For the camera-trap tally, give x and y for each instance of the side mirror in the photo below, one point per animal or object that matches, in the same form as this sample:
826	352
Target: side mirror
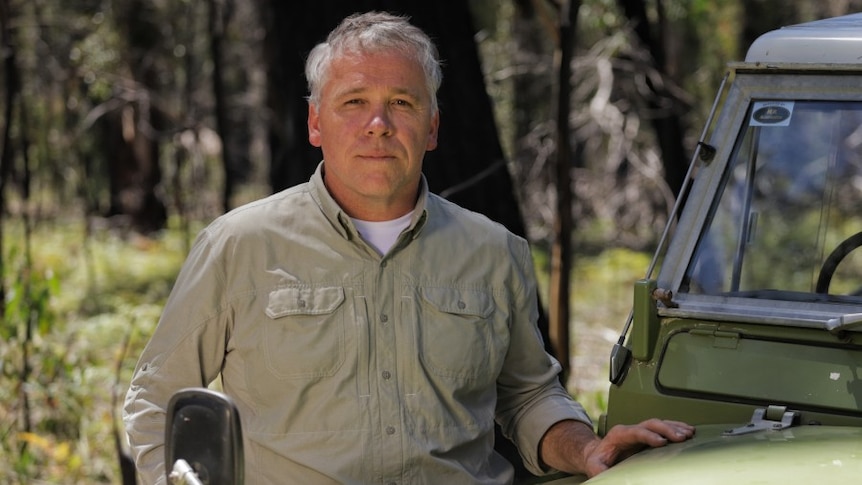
203	439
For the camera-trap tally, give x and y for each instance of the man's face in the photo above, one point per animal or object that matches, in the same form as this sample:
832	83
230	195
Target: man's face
374	123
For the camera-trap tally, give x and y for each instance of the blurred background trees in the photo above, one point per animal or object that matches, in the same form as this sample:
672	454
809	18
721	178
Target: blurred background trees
137	110
136	117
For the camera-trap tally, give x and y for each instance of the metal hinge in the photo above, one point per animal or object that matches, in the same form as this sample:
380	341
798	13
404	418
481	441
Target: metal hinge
772	418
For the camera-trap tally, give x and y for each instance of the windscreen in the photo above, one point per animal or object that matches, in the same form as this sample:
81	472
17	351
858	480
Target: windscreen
789	213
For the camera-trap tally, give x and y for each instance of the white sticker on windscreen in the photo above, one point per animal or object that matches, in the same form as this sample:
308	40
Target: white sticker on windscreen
771	113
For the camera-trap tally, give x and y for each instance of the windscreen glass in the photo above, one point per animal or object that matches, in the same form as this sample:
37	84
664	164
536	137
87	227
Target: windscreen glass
789	214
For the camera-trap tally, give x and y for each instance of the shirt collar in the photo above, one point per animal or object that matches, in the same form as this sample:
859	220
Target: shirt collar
341	221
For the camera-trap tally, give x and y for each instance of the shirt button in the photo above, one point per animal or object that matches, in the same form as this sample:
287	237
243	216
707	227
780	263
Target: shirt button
461	305
390	430
386	374
383	264
384	318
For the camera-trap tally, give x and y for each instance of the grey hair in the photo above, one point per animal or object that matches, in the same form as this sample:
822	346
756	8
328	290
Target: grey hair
369	33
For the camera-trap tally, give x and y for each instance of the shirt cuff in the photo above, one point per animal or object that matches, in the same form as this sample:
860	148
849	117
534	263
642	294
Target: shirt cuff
538	421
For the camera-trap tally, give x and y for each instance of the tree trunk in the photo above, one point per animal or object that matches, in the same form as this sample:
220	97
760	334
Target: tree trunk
219	15
11	85
131	133
666	122
561	254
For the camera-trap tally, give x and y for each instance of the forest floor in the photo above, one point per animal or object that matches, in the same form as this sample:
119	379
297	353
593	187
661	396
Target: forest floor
93	297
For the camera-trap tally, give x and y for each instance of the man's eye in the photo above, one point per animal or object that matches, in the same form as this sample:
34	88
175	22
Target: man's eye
402	102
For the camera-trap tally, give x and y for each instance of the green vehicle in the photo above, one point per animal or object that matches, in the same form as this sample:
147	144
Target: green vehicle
749	322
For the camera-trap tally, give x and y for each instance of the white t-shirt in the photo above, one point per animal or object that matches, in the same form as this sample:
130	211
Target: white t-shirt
383	234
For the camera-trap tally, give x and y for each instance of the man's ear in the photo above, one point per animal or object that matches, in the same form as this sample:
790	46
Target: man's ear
432	134
313	125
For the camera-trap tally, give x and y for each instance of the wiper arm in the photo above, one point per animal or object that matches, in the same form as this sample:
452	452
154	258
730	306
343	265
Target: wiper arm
844	322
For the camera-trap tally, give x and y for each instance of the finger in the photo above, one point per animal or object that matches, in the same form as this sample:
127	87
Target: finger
652	432
672	430
624	437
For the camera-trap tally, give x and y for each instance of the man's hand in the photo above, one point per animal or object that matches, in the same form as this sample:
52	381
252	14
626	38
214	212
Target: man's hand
571	446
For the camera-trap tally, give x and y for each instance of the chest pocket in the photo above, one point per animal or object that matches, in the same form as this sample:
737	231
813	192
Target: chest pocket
305	332
458	334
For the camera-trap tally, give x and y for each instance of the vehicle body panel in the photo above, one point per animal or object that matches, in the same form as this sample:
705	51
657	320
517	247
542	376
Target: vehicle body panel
805	454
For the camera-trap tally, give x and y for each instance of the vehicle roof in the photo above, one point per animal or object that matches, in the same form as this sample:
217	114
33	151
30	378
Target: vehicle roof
833	40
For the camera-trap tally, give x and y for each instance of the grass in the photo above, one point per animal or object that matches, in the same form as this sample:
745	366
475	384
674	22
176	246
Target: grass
104	291
93	301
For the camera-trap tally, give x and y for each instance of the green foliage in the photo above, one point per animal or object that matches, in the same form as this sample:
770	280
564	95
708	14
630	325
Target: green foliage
27	299
86	298
95	55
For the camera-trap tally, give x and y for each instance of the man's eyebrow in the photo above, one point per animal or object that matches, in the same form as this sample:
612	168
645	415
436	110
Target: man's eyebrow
363	89
351	91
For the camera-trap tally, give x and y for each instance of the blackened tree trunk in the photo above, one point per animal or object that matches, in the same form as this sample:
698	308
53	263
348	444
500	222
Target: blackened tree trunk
666	121
219	16
561	252
11	83
131	133
133	169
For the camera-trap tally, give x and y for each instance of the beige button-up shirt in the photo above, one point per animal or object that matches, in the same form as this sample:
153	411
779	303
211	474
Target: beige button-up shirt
351	367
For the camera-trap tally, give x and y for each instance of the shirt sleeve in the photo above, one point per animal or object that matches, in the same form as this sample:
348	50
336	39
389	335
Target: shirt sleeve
530	396
186	350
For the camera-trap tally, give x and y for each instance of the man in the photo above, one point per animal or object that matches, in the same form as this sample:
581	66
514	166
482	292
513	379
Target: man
369	331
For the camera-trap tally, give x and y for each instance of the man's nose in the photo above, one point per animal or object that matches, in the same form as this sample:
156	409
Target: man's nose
380	124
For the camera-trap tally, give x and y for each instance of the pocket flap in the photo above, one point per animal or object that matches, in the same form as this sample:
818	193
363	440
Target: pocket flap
460	301
304	301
